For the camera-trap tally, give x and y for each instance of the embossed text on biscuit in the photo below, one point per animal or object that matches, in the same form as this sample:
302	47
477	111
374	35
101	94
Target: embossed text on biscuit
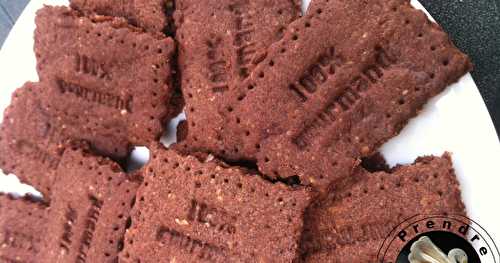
351	235
217	72
245	46
95	96
70	217
91	220
89	66
213	217
316	75
199	249
343	102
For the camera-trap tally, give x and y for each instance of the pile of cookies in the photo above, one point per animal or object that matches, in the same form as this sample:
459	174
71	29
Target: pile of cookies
277	159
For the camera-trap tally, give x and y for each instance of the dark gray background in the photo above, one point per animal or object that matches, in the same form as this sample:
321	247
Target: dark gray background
473	24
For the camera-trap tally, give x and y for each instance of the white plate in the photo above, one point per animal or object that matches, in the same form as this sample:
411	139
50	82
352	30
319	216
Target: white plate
456	121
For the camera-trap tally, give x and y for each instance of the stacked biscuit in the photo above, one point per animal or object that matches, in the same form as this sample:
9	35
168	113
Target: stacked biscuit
280	108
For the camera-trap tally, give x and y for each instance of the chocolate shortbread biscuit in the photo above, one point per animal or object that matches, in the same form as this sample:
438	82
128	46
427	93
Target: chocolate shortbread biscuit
361	211
148	14
220	41
31	141
344	79
192	211
89	211
108	77
22	226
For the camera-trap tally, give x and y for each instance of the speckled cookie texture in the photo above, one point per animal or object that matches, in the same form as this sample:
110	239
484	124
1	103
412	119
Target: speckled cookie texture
220	41
154	16
89	210
22	225
110	78
360	70
200	211
351	224
308	100
31	142
148	14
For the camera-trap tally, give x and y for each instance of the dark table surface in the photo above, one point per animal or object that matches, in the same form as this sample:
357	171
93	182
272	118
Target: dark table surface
473	24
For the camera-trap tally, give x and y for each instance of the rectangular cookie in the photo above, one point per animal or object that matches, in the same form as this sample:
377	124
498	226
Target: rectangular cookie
22	226
89	211
150	15
352	223
220	41
344	79
193	211
31	141
104	76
